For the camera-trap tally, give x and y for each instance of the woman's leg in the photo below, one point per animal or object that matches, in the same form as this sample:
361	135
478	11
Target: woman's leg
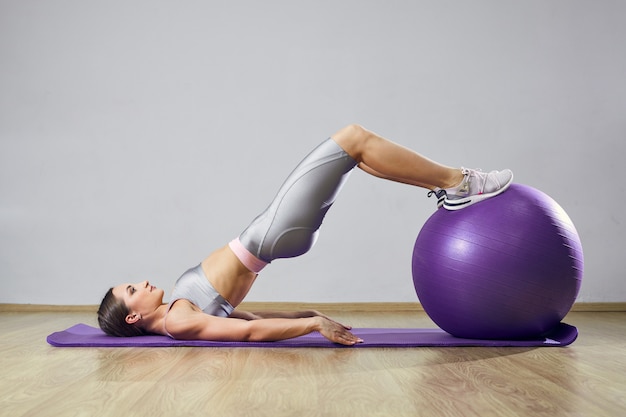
289	226
385	159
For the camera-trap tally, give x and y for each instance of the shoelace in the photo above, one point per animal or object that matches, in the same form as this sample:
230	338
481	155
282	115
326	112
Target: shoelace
435	192
468	174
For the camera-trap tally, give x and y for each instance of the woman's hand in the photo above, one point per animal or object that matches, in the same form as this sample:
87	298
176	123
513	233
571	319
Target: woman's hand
336	332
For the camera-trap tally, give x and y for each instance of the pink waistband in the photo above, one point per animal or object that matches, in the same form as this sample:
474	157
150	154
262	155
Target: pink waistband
250	261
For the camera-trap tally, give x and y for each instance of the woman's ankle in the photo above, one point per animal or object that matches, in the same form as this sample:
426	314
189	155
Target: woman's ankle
455	179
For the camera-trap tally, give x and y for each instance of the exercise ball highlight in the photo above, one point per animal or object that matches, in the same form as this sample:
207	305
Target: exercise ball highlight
509	267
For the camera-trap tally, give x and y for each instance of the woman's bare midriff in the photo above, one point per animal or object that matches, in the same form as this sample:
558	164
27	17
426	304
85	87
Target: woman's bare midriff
228	275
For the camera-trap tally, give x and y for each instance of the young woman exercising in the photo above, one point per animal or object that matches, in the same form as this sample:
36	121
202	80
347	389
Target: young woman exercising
203	302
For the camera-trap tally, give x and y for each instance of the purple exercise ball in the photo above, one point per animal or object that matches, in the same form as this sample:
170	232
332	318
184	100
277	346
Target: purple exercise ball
509	267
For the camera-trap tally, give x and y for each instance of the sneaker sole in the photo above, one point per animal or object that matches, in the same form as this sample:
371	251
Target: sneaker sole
461	203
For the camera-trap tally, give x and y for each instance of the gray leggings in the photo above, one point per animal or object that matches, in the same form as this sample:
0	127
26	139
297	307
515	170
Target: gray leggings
289	226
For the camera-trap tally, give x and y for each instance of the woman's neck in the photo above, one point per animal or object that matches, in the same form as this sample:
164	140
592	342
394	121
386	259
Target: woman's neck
154	323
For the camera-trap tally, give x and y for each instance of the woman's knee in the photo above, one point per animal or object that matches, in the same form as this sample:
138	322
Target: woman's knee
353	138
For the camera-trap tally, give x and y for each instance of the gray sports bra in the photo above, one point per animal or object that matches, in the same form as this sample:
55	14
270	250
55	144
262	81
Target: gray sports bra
195	287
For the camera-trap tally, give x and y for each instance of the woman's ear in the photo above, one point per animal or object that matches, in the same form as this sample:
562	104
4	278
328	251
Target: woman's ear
133	318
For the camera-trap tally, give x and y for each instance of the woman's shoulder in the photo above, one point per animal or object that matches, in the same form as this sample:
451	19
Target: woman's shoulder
185	320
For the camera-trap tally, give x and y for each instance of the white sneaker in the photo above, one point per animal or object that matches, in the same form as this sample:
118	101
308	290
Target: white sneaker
477	186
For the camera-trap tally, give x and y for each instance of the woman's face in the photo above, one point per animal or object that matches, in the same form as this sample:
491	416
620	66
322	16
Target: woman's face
141	298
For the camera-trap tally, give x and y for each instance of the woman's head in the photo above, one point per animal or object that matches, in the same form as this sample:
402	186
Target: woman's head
124	307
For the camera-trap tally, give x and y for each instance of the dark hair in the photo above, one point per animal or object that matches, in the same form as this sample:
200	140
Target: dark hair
112	318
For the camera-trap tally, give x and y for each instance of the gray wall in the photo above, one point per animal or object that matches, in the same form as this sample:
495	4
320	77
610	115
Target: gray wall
137	136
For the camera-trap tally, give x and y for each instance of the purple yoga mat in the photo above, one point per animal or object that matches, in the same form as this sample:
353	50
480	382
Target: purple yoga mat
82	335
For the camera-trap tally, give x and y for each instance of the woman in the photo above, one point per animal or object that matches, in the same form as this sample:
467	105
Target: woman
204	298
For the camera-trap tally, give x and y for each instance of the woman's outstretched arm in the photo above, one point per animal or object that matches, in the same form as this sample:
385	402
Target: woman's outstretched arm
200	326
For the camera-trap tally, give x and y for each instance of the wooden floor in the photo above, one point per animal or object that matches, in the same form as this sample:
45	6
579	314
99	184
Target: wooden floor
586	379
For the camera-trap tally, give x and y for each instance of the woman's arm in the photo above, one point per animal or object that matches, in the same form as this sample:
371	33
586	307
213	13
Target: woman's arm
200	326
